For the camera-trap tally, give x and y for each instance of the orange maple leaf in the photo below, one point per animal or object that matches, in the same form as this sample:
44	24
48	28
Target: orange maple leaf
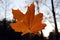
29	22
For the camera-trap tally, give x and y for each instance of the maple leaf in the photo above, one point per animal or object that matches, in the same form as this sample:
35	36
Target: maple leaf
29	22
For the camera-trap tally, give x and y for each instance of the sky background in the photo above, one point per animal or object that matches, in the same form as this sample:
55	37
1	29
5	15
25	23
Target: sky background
6	7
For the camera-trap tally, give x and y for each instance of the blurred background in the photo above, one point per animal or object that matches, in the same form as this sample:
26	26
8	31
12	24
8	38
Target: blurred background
6	7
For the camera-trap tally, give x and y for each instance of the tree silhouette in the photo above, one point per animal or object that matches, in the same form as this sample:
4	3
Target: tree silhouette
55	22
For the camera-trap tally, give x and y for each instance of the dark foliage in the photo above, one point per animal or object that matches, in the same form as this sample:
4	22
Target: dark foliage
7	33
54	36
